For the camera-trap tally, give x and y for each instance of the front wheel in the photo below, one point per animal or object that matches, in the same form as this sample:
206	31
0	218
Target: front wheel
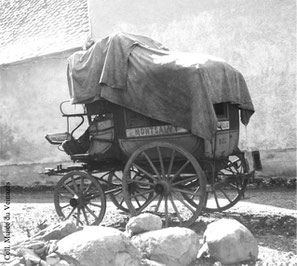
79	196
165	170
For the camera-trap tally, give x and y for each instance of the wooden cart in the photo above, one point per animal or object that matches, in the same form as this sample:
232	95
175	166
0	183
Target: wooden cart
146	165
151	142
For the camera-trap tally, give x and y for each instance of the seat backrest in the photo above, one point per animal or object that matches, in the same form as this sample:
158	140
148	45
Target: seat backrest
101	133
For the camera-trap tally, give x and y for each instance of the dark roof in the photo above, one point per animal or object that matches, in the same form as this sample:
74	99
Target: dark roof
30	28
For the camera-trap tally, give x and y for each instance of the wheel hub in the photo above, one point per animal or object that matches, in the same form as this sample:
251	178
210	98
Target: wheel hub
73	202
162	188
77	202
132	188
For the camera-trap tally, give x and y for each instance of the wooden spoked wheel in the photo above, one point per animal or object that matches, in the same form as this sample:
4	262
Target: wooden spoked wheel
228	185
79	196
165	171
116	195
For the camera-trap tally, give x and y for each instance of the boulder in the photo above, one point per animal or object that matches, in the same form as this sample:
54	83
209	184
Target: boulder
62	263
143	223
174	246
98	245
147	262
29	256
57	231
52	259
228	241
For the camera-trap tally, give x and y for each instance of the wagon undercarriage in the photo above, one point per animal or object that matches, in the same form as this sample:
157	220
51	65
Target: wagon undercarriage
173	186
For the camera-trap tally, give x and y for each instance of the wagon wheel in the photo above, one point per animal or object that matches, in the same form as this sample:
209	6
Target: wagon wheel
165	170
79	196
229	185
117	197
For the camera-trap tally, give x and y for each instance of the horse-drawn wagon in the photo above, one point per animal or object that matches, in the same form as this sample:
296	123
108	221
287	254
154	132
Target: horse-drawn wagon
162	132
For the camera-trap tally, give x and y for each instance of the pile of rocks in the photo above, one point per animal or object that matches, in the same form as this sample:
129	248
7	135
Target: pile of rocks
144	243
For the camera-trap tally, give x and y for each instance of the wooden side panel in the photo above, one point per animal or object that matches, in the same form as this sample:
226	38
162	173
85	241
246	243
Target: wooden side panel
189	142
227	135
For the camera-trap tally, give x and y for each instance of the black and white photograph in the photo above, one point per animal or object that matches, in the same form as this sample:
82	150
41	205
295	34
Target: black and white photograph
148	133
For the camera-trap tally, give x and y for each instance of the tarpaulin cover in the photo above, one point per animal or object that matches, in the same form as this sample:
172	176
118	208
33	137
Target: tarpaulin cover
139	73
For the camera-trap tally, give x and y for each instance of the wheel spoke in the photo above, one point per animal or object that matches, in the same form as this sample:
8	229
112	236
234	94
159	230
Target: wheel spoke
68	216
93	196
145	183
181	169
81	184
184	180
145	172
115	192
183	202
141	193
152	165
69	189
94	204
65	206
161	162
74	184
88	187
77	217
237	186
122	201
137	201
158	204
172	157
148	202
85	215
187	192
226	196
176	210
216	199
166	210
91	212
65	196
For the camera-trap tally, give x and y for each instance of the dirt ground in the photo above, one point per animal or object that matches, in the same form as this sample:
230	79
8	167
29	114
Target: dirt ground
270	214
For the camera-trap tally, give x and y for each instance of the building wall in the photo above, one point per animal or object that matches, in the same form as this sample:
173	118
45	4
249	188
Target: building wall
30	95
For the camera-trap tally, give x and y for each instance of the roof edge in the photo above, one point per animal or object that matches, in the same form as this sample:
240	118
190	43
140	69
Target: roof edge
41	57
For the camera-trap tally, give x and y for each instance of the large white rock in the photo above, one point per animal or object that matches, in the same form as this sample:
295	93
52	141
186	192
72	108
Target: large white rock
143	223
98	245
228	241
57	231
174	246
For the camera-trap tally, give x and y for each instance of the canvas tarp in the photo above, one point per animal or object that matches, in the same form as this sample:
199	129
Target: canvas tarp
140	74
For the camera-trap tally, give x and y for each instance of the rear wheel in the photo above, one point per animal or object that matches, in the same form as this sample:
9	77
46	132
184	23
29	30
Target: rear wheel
117	197
228	185
166	170
79	196
115	179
